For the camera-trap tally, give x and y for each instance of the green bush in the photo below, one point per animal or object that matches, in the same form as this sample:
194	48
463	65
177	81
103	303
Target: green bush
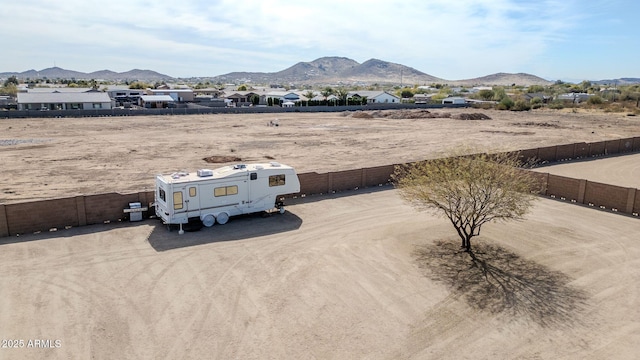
521	105
595	100
505	104
556	105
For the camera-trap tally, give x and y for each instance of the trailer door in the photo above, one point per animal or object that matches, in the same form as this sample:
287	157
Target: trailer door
186	201
180	205
192	193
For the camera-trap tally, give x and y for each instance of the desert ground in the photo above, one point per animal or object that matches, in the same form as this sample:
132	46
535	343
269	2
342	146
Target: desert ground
357	275
51	158
352	275
621	170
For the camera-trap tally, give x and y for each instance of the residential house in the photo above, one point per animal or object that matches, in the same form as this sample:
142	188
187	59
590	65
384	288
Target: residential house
123	96
422	98
574	97
156	101
242	98
64	100
286	96
178	95
454	100
530	96
374	96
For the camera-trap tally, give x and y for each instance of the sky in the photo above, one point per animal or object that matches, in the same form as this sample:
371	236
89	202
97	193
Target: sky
569	40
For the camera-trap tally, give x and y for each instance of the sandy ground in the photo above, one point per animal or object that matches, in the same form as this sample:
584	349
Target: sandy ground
362	276
346	276
50	158
617	170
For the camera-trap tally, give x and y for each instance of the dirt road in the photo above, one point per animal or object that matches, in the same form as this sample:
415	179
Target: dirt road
340	277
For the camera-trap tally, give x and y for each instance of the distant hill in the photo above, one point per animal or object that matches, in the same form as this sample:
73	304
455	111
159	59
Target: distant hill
334	70
621	81
505	79
328	70
59	73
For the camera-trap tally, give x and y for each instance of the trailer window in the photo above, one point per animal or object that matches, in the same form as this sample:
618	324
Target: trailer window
225	191
192	191
276	180
254	176
162	195
177	200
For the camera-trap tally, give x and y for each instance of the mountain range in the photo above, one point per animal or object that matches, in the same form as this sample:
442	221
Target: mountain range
325	70
59	73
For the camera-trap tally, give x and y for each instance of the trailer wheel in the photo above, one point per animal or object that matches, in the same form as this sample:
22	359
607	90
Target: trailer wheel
222	218
208	220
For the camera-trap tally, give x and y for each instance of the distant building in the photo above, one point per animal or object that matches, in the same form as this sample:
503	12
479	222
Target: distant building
530	96
178	95
454	100
422	98
155	101
574	97
374	97
63	101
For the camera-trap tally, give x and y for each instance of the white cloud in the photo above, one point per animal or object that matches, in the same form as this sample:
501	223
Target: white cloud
449	39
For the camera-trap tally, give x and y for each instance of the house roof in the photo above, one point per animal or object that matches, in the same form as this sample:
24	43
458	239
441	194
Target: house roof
59	89
63	97
152	98
156	91
370	94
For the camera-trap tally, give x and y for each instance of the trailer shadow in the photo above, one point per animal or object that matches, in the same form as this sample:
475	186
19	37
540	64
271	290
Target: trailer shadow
163	238
500	282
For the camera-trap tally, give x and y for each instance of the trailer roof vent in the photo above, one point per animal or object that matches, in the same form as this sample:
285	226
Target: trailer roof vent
205	172
239	166
179	174
275	164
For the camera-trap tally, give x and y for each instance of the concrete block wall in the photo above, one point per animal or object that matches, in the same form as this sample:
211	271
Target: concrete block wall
314	183
41	215
609	196
612	147
565	152
377	175
560	186
581	150
597	148
35	216
109	207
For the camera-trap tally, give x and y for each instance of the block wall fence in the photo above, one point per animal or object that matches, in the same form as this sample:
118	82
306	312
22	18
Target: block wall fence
57	214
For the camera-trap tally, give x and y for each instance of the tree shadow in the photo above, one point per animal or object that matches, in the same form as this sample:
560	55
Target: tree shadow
500	282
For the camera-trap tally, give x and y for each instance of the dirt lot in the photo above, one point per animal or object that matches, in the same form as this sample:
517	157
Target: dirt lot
49	158
345	276
340	277
618	170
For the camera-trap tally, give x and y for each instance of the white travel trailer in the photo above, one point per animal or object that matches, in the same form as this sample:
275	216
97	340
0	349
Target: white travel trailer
212	196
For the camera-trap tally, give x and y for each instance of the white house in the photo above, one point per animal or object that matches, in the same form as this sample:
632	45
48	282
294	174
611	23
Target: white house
180	95
155	101
375	96
455	100
64	101
574	97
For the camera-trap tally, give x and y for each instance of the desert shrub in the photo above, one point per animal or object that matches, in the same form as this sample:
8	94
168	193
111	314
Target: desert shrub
556	105
536	103
521	105
595	100
505	104
486	94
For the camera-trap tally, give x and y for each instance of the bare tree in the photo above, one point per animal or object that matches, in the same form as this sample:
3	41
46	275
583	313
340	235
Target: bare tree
469	190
